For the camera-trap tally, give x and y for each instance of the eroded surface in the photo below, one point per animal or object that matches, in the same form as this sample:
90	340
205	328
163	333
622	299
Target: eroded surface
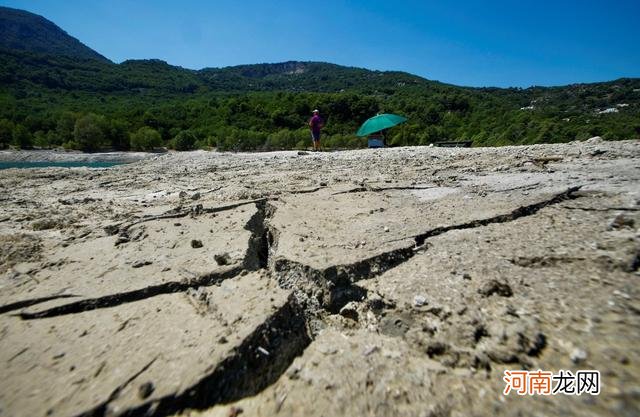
377	282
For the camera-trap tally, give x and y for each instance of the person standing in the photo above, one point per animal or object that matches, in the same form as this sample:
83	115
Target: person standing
316	124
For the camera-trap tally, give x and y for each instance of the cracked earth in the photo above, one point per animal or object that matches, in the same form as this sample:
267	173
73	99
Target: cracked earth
376	282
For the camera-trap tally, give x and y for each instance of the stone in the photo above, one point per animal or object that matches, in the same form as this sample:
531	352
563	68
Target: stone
111	229
578	355
195	243
495	287
222	259
145	390
594	140
350	311
419	301
620	221
140	263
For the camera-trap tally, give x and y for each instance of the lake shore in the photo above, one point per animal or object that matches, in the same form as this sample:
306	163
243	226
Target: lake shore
397	281
49	155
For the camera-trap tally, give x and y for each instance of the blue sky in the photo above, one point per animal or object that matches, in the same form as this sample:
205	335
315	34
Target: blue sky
466	42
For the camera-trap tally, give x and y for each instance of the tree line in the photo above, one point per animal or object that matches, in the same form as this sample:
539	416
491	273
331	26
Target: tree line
87	105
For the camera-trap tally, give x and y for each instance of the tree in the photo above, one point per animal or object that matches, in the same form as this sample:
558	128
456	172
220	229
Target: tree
117	135
6	133
88	132
145	139
65	126
22	137
184	141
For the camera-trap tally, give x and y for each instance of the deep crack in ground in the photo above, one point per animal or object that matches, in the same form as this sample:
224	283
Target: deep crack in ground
287	333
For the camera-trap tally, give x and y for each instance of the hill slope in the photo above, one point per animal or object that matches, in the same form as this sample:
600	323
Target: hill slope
47	99
25	31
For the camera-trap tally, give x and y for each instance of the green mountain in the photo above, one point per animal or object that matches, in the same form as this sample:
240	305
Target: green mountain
63	93
24	31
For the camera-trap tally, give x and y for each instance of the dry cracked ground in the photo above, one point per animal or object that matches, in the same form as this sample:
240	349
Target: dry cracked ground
376	282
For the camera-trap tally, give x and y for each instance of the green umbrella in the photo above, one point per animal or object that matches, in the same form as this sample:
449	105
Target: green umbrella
380	122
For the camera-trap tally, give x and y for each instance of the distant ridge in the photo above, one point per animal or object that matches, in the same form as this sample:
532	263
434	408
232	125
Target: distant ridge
51	84
25	31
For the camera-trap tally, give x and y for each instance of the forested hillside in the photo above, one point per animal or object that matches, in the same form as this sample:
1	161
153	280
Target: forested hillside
56	98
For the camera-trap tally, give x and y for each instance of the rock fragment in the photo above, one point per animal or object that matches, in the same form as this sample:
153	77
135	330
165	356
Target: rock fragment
222	259
145	390
578	355
350	311
419	301
620	221
495	287
140	263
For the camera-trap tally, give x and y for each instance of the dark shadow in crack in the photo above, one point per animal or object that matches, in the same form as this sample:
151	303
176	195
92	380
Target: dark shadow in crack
27	303
113	300
257	363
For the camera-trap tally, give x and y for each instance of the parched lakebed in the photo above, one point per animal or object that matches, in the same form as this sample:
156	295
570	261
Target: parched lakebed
400	281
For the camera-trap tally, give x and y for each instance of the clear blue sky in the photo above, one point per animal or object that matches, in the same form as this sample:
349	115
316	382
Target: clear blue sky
465	42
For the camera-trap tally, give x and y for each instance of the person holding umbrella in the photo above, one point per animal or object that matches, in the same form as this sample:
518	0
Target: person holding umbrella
316	124
376	127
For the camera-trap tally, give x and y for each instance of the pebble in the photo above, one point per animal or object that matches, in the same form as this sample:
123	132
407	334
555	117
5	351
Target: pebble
621	220
578	355
386	229
370	349
196	196
140	263
419	301
496	287
145	390
112	229
222	259
349	311
195	243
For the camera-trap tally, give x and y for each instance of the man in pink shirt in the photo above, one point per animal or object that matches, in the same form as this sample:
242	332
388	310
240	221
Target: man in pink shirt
315	124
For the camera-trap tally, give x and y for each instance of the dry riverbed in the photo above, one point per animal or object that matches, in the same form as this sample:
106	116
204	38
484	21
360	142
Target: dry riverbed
382	282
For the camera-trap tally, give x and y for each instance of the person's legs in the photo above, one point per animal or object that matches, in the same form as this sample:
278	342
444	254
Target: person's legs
315	137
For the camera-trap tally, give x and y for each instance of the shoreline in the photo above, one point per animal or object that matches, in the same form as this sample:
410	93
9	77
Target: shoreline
48	155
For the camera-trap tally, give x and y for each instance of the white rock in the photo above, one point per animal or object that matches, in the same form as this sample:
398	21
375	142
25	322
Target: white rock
578	355
419	301
595	139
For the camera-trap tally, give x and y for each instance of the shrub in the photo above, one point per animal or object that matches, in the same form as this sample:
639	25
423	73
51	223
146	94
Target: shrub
6	133
89	133
22	137
184	141
145	139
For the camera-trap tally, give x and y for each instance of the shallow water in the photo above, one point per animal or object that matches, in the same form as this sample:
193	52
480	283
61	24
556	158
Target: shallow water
47	164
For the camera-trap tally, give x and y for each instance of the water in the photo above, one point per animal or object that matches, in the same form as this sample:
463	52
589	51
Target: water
44	164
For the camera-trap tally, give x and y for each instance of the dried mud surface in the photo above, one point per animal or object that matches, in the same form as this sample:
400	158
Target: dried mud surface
376	282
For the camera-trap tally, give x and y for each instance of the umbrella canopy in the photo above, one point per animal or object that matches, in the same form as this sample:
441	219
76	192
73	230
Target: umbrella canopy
380	122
